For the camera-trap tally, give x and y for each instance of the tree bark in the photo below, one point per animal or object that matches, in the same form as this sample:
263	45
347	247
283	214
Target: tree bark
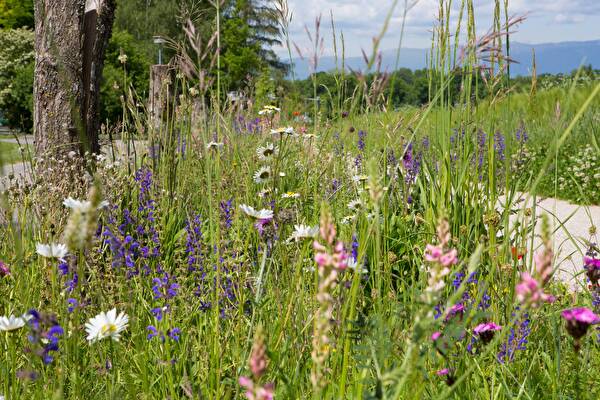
57	89
70	44
103	25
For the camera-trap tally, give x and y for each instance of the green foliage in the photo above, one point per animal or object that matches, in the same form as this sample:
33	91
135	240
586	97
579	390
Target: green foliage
16	76
118	78
144	19
16	14
264	88
240	58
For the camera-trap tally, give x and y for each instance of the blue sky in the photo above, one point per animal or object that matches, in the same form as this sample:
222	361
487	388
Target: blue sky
361	20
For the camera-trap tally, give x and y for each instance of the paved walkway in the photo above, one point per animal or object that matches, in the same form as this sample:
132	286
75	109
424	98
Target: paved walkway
572	226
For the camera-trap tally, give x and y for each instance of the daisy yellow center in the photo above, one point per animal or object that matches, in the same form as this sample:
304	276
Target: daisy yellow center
268	152
264	174
108	328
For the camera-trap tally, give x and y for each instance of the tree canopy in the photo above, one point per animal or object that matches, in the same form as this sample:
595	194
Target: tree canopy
16	14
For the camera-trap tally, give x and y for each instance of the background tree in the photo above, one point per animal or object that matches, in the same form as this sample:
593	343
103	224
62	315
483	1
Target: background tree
16	14
16	77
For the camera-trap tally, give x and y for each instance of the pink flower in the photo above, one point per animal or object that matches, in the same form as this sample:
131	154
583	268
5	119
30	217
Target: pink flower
4	270
592	262
578	321
486	327
455	309
338	260
442	372
486	331
592	269
260	224
529	291
433	253
543	265
581	314
436	335
450	258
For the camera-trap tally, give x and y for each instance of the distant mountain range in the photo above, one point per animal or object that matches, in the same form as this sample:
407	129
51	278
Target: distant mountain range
550	58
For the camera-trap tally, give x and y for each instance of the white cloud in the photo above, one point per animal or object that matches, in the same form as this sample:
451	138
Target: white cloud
361	20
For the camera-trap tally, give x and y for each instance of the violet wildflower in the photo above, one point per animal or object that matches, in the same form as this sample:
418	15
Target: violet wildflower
517	339
44	336
499	145
193	245
72	304
227	212
481	147
521	134
361	140
174	333
164	287
154	332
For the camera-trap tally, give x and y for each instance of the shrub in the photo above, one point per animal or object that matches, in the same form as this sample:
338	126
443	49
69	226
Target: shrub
16	76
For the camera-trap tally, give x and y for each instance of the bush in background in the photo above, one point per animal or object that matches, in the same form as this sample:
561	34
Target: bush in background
16	77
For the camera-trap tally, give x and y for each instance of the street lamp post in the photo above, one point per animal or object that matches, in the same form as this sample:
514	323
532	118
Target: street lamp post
159	41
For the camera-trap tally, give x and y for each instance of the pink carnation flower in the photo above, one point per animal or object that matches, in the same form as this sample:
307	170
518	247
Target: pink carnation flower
486	331
4	270
579	320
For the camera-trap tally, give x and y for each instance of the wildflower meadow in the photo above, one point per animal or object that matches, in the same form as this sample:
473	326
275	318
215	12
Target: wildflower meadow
275	247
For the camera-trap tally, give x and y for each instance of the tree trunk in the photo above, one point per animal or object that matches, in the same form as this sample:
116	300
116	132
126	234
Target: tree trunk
103	25
71	38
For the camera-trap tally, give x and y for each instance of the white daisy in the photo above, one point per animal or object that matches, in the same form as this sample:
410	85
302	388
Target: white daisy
106	325
348	219
283	131
260	214
303	232
359	178
355	205
267	151
353	265
264	193
268	110
290	195
53	250
80	205
12	323
214	145
262	175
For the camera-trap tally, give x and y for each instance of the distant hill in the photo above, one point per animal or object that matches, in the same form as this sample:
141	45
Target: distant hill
550	58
